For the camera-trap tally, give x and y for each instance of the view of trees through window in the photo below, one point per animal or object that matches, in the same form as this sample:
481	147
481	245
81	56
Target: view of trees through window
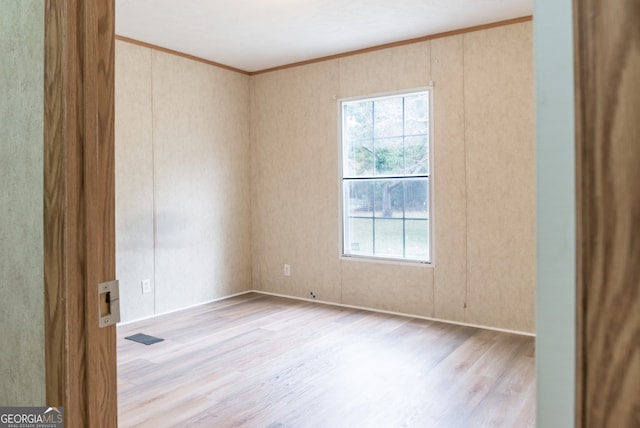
385	144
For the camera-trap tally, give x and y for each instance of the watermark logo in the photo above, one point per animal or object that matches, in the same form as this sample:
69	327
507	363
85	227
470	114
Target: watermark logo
31	417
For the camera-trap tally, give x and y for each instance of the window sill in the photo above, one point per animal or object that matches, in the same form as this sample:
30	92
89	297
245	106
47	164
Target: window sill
389	261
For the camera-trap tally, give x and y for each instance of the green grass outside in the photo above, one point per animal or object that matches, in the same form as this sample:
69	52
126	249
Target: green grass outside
388	238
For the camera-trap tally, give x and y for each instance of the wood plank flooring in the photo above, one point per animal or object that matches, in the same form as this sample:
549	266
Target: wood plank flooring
264	361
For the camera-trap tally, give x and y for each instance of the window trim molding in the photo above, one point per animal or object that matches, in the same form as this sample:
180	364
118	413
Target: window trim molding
431	186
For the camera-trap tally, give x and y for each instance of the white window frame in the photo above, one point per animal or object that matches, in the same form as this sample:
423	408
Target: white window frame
341	150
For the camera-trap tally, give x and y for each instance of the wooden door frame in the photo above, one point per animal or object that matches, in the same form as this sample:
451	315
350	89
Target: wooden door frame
607	59
79	206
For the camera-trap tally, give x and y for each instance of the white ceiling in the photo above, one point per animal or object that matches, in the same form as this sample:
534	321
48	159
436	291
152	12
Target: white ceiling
254	35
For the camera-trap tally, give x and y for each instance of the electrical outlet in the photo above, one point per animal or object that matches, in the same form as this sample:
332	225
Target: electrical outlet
146	286
312	295
287	270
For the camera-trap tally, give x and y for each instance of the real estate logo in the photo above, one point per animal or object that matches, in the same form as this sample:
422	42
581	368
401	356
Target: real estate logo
31	417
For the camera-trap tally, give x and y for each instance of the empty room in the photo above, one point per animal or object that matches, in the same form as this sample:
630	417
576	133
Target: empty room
320	213
328	223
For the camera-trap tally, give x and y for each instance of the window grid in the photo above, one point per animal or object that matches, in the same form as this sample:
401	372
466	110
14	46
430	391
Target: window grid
351	176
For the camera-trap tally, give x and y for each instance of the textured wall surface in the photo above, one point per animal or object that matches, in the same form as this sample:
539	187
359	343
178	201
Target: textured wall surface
484	270
499	135
499	129
21	207
202	181
188	170
134	180
450	274
182	145
295	192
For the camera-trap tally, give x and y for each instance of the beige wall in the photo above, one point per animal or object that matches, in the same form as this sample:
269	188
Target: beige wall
500	147
22	375
182	181
219	162
483	177
134	179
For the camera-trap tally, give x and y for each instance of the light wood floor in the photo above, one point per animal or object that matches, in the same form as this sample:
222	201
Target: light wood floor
263	361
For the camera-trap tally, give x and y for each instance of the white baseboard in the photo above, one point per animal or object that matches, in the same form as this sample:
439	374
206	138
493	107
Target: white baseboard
185	308
382	311
342	305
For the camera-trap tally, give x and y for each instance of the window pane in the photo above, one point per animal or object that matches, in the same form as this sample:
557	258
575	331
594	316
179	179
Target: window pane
359	223
416	228
389	198
389	155
416	199
387	218
388	237
359	159
416	114
361	236
387	117
416	155
358	120
385	172
417	239
360	201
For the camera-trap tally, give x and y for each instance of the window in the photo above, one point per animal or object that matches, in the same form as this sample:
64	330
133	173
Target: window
385	177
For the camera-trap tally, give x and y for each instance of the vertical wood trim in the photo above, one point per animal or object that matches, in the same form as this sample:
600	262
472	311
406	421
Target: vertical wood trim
79	226
582	181
54	194
607	40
